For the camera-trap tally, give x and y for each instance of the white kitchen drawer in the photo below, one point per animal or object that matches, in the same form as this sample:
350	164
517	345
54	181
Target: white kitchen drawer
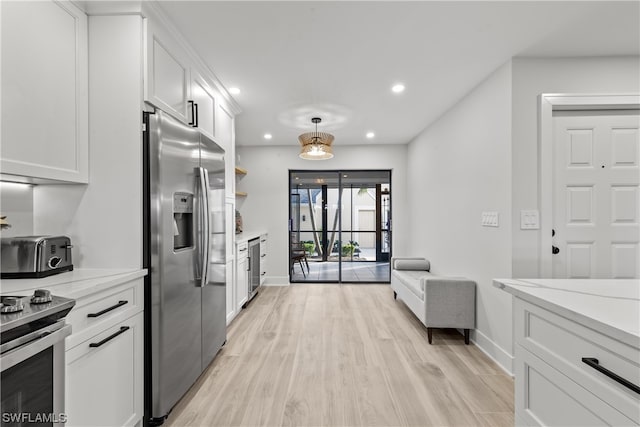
263	244
263	267
563	343
544	396
102	310
104	381
242	250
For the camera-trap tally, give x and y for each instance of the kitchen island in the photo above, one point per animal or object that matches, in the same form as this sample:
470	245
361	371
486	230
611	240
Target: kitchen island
577	351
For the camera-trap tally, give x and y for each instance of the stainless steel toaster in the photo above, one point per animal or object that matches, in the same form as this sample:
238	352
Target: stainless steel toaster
35	256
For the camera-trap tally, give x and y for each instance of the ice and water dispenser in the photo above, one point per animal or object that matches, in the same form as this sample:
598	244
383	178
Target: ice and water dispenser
182	220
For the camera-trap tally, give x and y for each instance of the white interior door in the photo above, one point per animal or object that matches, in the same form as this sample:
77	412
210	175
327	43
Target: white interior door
596	200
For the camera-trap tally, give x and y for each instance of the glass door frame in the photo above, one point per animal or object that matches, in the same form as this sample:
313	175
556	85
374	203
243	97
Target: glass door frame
379	230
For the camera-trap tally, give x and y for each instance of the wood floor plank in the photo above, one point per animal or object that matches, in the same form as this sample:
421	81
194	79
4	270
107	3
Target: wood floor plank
343	355
496	419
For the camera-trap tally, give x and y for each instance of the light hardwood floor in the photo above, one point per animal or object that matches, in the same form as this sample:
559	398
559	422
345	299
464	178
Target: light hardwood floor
343	355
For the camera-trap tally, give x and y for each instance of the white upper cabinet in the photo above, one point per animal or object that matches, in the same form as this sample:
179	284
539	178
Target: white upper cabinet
178	82
204	100
225	134
167	83
44	91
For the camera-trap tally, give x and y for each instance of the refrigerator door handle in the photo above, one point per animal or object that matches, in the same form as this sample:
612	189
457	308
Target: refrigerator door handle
203	255
207	227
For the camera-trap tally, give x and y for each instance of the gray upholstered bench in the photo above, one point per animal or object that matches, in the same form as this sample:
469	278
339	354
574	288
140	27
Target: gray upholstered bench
439	302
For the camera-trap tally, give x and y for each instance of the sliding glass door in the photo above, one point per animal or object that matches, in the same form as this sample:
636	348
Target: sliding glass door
340	226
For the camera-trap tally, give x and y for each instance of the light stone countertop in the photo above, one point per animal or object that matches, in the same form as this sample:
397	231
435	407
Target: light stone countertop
609	306
72	284
245	236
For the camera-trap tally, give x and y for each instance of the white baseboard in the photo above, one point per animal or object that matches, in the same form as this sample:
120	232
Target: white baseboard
494	351
276	281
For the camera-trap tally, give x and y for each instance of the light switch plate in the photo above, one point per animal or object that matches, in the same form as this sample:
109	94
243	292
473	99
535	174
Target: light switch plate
490	219
529	220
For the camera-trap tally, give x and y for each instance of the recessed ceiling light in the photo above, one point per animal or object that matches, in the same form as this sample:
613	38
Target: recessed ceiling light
268	136
234	91
398	88
370	135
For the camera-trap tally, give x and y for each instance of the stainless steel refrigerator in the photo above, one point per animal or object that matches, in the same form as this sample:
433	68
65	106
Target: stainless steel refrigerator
184	252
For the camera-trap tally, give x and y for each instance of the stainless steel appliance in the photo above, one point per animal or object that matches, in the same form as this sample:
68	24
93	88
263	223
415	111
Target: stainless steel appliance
34	256
254	267
184	251
32	333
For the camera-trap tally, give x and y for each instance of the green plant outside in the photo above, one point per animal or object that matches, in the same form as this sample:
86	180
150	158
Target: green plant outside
349	248
309	246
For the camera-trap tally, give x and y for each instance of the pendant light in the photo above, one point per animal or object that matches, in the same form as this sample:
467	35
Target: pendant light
316	145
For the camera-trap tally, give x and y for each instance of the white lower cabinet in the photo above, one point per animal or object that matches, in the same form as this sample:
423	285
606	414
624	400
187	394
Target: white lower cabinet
264	238
104	377
555	387
230	305
104	358
242	275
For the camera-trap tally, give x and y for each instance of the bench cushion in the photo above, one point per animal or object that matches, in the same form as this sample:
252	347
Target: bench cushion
411	264
411	279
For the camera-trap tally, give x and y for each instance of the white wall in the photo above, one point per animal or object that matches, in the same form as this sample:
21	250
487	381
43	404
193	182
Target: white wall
532	77
104	218
457	168
267	184
16	203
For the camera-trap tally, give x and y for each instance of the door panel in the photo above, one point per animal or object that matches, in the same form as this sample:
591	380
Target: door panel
580	205
580	258
623	258
596	202
624	204
624	147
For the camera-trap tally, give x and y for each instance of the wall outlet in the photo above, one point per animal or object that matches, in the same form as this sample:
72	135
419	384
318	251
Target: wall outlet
529	220
490	219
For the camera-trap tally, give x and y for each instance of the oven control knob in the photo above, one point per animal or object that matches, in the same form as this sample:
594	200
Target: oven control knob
11	305
41	296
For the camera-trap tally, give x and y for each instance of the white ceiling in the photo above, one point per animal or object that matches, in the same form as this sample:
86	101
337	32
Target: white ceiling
337	60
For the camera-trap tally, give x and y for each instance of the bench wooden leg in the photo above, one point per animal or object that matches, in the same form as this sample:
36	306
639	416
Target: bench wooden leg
466	336
429	334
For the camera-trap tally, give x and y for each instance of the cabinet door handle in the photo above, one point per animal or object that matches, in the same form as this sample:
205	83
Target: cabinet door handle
248	263
191	104
242	250
263	255
595	364
195	116
106	310
122	330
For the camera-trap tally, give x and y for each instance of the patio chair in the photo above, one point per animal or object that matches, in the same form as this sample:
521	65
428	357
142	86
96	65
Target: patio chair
299	254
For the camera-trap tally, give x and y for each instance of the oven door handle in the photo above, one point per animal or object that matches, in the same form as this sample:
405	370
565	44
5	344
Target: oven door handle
43	339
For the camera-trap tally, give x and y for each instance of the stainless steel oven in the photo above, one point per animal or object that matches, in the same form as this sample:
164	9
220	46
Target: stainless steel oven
32	331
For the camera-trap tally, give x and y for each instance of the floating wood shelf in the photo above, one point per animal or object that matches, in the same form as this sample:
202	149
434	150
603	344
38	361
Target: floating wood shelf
240	171
241	194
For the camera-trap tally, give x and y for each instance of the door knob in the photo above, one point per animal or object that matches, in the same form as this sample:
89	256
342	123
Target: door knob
555	250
